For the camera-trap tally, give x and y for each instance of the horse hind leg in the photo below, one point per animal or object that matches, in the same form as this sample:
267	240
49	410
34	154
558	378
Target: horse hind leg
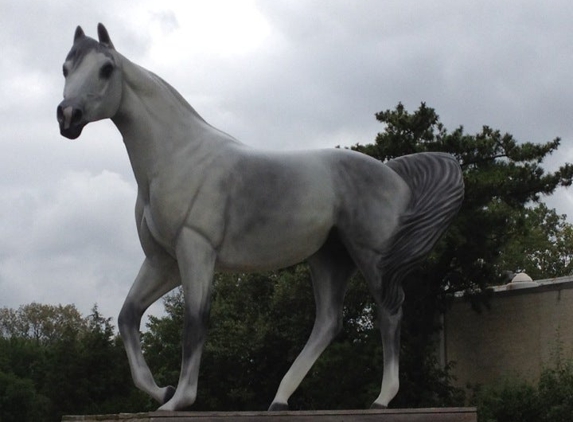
331	268
390	321
389	296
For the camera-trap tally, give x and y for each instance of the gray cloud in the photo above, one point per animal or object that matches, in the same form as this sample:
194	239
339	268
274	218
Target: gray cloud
79	235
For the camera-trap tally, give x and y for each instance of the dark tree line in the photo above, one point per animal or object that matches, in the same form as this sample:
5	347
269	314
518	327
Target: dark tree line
55	361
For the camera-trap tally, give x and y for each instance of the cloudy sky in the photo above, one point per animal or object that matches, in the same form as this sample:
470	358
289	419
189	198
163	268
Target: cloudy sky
283	75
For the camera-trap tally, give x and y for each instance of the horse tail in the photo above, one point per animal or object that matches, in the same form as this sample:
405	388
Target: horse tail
436	183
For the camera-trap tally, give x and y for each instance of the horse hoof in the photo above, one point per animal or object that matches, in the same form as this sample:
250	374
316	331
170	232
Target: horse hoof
277	407
378	406
169	393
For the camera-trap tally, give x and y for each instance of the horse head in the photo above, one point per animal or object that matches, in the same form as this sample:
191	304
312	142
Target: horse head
93	86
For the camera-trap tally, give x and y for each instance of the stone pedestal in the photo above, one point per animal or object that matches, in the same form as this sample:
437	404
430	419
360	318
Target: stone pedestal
463	414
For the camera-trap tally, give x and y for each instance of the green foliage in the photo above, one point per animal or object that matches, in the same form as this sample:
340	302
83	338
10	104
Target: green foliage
260	323
41	323
550	400
248	348
53	361
510	402
19	400
502	178
541	245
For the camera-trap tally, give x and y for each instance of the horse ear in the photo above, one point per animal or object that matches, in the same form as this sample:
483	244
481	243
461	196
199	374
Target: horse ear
104	36
79	34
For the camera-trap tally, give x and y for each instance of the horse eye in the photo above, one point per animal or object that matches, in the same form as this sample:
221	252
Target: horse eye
65	71
106	71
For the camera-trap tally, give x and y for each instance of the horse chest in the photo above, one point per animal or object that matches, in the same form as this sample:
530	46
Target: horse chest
162	218
153	233
159	219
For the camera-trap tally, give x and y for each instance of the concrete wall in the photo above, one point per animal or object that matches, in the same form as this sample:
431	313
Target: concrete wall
525	330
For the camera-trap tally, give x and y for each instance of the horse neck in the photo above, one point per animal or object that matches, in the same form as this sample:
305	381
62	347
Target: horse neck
157	123
147	100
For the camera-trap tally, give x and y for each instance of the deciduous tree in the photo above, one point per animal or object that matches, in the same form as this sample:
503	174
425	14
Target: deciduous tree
54	361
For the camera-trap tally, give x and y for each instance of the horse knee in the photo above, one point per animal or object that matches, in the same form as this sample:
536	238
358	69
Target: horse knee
337	327
331	327
128	318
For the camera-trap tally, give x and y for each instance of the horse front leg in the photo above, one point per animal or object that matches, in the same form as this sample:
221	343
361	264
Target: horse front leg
196	259
155	278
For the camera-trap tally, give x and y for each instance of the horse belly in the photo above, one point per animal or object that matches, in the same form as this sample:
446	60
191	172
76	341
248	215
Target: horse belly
270	250
280	208
275	239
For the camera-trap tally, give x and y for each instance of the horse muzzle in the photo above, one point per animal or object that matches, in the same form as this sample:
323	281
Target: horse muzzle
71	119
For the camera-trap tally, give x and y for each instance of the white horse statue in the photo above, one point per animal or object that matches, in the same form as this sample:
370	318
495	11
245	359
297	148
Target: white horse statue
208	203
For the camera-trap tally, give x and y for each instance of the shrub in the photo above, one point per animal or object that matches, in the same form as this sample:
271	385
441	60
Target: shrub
550	400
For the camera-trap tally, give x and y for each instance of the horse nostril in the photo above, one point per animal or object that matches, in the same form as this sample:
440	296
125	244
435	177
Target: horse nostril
77	115
68	115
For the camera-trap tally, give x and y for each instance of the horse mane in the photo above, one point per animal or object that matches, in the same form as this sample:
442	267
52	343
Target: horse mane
140	73
137	71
